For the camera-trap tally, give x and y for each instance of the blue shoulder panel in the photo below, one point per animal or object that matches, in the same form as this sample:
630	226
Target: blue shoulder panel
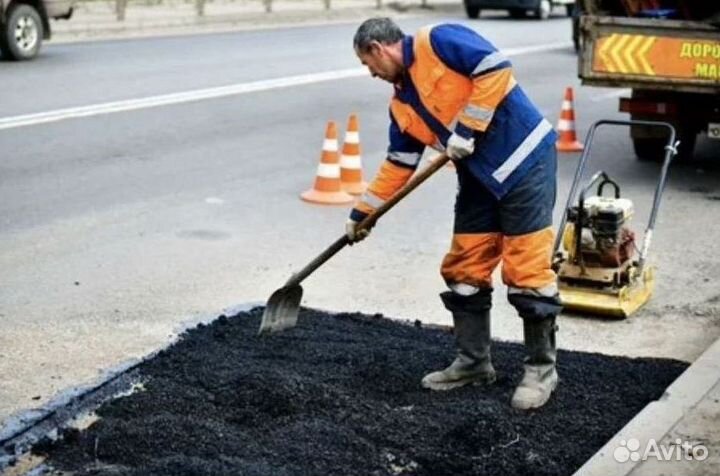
463	49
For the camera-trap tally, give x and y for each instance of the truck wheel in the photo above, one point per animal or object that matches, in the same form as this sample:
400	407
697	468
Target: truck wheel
23	33
472	11
542	12
653	149
649	149
517	12
687	139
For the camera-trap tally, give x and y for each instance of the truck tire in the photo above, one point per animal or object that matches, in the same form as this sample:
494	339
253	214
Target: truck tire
472	11
543	9
22	34
687	139
653	149
517	13
649	149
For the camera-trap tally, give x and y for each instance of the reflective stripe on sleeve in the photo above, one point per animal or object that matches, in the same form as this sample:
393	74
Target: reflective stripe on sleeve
489	62
407	158
478	112
372	200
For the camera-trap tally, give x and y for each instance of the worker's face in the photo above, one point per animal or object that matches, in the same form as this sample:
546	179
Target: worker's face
380	63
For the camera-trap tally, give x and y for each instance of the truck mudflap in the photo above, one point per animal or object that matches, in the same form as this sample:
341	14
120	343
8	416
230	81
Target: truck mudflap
663	54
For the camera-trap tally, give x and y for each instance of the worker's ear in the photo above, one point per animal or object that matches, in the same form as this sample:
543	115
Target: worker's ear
375	48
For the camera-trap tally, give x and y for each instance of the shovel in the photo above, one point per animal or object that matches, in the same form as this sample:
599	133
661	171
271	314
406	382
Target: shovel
281	310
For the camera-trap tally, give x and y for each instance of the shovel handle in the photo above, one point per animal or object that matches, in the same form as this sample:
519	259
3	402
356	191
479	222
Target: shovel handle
411	185
370	220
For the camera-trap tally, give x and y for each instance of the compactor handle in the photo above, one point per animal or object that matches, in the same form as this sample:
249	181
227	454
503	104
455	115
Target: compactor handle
670	152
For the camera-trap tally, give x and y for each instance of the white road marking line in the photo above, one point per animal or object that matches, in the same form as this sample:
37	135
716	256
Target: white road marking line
214	201
525	50
213	93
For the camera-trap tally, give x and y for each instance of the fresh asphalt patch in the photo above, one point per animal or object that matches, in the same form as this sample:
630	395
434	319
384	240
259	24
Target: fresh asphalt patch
340	394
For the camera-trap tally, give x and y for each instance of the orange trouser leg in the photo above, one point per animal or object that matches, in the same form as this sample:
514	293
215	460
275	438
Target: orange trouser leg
472	259
527	261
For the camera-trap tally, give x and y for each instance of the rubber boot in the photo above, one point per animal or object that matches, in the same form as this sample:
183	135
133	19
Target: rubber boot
471	316
540	378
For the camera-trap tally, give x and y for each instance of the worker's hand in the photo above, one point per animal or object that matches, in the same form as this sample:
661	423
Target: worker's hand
353	234
459	147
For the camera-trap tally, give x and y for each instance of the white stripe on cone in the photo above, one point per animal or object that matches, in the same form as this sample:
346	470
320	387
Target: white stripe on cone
566	125
328	170
567	105
352	137
350	162
330	145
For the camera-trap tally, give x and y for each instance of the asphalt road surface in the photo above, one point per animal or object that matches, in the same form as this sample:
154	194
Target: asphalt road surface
127	213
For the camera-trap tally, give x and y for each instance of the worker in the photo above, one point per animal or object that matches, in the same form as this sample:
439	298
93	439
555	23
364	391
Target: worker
455	92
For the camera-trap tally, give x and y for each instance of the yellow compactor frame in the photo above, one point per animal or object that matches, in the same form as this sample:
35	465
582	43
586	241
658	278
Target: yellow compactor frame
615	302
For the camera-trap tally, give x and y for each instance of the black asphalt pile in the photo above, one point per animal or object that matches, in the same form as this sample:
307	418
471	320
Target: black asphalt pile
340	395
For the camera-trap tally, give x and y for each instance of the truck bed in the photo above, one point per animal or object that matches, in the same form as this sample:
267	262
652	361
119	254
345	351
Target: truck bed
650	53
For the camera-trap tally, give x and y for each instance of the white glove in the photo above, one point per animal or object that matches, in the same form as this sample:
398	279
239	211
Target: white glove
353	234
459	147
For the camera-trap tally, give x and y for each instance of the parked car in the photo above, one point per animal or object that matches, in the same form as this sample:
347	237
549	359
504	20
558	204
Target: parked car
24	24
518	8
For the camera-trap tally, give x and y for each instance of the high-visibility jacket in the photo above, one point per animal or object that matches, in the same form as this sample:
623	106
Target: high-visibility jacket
456	81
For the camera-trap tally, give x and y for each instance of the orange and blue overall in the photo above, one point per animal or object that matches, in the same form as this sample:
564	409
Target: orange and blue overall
457	81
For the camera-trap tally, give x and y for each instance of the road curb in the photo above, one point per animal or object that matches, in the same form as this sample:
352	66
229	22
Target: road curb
171	27
658	417
143	27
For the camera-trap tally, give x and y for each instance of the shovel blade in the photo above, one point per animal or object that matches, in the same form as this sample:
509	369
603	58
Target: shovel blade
281	310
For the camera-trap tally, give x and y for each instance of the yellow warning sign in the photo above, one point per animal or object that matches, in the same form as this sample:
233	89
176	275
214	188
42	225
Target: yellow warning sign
626	54
644	55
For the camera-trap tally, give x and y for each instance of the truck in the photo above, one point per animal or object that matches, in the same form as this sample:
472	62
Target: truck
539	9
667	53
24	24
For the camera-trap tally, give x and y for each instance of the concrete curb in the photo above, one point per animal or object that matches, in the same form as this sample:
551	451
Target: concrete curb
187	26
659	417
104	27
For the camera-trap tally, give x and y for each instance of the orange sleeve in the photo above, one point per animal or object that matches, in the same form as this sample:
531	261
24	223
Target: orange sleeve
487	93
389	179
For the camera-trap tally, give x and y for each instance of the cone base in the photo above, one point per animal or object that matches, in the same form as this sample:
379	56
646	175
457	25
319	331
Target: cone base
575	146
327	198
355	188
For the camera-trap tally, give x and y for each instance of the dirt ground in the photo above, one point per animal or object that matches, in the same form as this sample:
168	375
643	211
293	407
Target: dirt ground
340	394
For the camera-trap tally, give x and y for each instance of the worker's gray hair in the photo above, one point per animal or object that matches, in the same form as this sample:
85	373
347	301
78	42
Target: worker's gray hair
383	30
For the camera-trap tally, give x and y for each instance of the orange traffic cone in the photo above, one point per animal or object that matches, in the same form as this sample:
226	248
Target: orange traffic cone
350	160
327	188
566	126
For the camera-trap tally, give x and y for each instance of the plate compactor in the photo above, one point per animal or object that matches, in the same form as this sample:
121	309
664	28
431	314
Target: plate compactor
599	271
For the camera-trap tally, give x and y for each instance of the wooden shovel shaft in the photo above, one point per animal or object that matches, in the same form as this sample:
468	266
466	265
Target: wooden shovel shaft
370	220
